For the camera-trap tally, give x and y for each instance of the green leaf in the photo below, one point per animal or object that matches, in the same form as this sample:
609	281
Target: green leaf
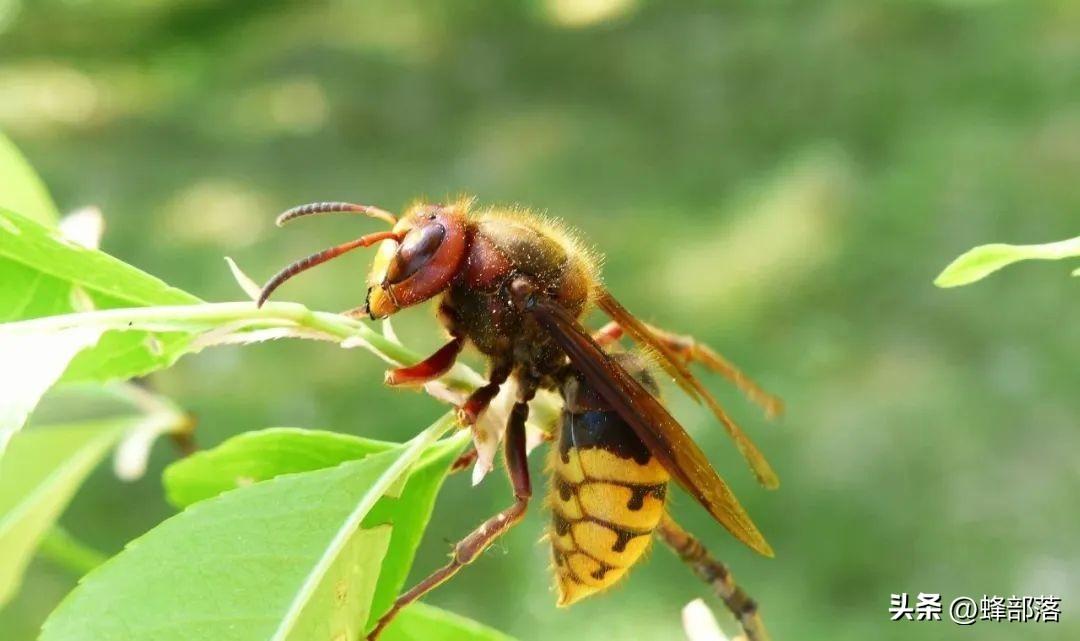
285	559
21	189
422	622
40	473
29	365
409	513
46	275
984	260
258	456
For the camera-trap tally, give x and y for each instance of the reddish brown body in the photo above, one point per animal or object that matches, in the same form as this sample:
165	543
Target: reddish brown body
474	276
475	306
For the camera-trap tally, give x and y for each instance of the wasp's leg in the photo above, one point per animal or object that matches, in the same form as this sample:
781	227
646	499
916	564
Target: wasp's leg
482	396
608	335
716	574
691	351
466	551
430	368
465	461
468	457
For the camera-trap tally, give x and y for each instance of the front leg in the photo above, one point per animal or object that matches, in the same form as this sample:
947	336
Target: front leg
430	368
482	396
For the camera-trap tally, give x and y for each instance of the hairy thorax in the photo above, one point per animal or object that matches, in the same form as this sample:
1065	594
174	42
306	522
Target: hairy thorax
502	245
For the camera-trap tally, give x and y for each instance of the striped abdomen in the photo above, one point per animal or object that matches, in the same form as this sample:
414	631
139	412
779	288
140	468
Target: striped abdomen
607	497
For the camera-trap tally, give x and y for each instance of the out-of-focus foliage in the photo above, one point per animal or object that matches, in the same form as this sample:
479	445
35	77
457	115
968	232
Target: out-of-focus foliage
980	262
20	188
782	179
41	472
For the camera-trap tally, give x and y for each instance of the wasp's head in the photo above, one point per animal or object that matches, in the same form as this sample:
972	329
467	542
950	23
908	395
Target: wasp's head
422	263
416	259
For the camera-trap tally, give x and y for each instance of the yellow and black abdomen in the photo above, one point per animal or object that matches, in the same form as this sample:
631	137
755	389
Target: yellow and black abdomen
607	497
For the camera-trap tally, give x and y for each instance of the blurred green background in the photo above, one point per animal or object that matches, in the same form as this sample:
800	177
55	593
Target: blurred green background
782	179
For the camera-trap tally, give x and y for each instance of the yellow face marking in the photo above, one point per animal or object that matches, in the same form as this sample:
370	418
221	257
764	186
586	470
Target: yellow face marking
600	542
609	502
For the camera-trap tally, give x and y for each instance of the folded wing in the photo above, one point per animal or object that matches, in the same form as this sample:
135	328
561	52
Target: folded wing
650	420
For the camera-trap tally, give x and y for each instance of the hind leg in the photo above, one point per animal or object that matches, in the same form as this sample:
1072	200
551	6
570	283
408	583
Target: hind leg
716	574
468	457
691	351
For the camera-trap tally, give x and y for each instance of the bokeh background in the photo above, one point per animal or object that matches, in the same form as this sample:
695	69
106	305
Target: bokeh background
783	179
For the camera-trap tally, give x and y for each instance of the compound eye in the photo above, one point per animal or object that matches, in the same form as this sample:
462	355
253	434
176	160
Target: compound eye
419	245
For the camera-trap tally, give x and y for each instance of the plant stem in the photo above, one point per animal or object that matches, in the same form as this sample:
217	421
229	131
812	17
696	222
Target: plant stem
208	316
68	552
1060	249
